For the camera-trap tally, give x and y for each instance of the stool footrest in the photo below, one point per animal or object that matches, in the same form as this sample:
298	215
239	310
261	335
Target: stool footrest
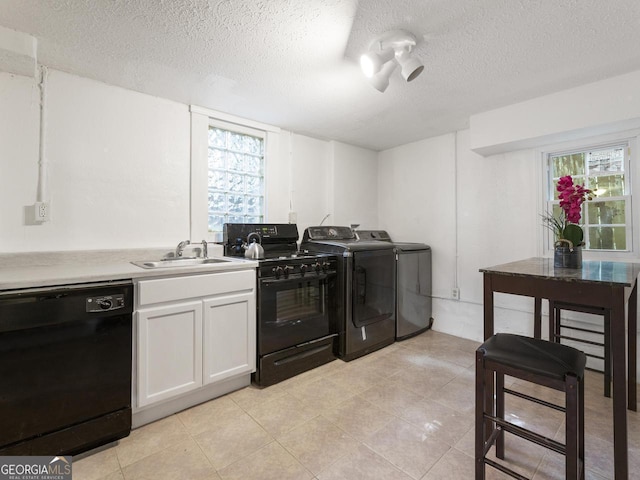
504	469
580	308
580	329
581	340
528	435
534	399
599	357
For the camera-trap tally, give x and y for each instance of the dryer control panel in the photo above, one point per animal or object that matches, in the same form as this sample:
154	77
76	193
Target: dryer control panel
381	235
328	233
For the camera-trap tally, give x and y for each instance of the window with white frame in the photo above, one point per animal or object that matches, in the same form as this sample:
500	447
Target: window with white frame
606	220
235	186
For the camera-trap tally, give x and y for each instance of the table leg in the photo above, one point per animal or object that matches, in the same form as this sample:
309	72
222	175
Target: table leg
488	306
618	353
488	332
632	339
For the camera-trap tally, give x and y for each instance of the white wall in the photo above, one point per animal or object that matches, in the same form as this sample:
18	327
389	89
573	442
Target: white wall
598	108
474	212
353	186
118	169
416	201
310	162
497	223
325	178
18	156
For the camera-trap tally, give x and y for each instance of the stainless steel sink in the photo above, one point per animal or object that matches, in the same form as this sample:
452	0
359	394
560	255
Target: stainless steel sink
179	262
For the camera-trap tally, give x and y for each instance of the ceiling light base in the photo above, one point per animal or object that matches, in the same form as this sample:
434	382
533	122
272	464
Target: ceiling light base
394	39
385	53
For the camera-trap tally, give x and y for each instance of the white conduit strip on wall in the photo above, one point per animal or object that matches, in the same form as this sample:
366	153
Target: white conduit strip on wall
455	206
291	172
41	193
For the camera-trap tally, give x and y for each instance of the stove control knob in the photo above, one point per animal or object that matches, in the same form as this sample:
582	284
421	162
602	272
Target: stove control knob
317	267
286	269
277	271
325	266
303	269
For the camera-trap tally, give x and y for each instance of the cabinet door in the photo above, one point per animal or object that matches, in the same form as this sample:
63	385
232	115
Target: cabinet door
229	336
169	351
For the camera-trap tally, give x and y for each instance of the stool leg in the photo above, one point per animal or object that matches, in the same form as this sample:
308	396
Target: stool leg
607	355
551	320
500	413
581	427
537	317
480	434
573	437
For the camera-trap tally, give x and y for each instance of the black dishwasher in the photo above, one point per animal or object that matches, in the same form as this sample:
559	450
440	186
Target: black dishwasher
65	368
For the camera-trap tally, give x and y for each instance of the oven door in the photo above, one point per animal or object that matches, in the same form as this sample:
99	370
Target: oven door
292	311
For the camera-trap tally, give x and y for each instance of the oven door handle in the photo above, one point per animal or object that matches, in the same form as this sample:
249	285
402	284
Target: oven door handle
266	282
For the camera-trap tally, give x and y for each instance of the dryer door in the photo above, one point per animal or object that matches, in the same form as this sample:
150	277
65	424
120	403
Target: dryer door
373	286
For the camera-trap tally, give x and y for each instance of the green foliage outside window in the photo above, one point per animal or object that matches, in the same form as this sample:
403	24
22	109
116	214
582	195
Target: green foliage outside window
602	170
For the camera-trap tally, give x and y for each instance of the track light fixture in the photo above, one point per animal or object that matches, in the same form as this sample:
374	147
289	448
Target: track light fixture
385	54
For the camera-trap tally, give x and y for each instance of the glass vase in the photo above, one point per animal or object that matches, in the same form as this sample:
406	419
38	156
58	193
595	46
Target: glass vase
565	257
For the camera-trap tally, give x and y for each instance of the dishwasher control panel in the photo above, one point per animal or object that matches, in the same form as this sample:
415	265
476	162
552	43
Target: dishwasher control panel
105	303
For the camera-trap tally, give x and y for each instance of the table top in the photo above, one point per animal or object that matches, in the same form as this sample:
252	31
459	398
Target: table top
610	273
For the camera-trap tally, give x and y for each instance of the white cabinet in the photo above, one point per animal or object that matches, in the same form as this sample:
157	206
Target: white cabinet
193	331
229	345
169	351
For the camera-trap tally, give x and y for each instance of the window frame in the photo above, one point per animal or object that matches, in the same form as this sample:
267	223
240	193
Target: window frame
201	119
630	138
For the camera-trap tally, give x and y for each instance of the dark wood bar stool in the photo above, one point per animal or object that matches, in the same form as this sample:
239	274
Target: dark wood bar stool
556	334
553	365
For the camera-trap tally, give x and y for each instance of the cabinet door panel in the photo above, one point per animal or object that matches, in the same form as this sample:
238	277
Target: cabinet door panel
169	351
229	336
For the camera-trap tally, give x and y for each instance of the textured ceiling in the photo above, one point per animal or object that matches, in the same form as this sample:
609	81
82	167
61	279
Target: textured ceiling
293	63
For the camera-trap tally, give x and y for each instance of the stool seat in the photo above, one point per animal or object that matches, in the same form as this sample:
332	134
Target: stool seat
533	355
553	365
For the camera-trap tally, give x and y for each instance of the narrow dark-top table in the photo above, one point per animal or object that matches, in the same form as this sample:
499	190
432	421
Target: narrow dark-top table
610	285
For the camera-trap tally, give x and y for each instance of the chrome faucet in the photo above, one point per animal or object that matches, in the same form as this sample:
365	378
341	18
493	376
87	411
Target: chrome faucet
181	246
205	249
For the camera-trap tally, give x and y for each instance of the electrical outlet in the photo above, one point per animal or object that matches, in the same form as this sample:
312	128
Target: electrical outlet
455	293
42	211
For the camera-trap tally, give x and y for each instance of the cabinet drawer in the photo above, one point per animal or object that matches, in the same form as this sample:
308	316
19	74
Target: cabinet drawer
192	286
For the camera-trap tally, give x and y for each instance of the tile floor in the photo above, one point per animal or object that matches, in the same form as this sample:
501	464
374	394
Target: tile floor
402	413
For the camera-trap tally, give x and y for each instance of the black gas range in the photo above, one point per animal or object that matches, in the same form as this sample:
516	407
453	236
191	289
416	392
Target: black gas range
296	304
282	259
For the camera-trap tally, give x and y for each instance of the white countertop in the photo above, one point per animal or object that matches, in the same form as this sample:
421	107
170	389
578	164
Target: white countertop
25	270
